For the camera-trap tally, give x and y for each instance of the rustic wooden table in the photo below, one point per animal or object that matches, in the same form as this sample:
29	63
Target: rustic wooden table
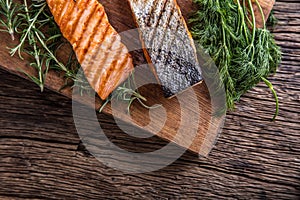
41	154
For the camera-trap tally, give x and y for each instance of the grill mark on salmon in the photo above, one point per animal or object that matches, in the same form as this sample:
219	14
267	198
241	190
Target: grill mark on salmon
58	7
175	64
66	19
108	60
152	10
92	25
93	53
169	40
99	36
121	66
77	23
65	6
165	22
104	59
81	45
94	31
99	55
157	20
84	20
173	37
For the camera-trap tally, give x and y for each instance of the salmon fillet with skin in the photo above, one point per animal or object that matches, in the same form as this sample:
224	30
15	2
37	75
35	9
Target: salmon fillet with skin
168	45
98	47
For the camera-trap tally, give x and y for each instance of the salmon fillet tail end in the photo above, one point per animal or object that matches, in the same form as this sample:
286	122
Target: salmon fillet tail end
104	59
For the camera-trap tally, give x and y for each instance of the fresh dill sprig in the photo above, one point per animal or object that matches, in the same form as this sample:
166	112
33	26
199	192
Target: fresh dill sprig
244	54
272	20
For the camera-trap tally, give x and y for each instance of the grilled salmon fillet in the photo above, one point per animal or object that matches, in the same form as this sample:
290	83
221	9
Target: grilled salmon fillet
98	47
168	45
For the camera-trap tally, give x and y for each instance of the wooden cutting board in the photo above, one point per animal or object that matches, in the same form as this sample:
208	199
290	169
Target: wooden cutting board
121	18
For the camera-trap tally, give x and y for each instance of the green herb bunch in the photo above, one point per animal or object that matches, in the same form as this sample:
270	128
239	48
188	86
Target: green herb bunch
244	54
40	39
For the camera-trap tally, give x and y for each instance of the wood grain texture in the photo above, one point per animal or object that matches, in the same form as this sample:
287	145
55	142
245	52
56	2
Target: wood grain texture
198	105
41	155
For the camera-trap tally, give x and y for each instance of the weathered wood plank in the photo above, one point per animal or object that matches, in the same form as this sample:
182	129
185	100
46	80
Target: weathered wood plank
254	158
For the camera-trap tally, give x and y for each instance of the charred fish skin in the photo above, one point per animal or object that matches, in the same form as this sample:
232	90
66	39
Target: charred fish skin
168	45
104	59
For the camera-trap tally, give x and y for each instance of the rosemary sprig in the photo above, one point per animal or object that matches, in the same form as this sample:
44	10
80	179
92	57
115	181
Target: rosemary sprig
10	22
127	93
